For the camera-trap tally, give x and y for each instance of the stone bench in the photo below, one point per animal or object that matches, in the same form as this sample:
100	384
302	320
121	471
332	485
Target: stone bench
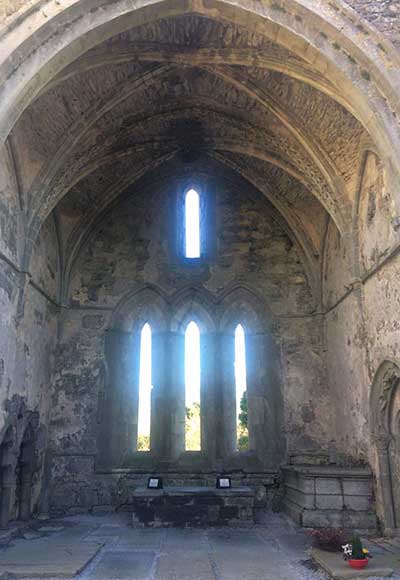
192	506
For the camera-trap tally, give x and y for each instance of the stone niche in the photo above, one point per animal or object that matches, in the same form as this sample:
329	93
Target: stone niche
330	497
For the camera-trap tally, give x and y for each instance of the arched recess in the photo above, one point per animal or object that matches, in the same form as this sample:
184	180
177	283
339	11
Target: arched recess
168	168
24	474
240	305
385	431
197	305
7	470
119	399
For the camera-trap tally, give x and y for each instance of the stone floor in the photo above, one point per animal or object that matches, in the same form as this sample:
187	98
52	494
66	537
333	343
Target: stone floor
107	548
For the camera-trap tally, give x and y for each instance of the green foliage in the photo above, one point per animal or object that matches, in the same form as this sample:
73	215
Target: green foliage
242	428
242	442
143	443
357	548
243	415
193	428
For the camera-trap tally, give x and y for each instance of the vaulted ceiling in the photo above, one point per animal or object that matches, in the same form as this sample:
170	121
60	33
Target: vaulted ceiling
181	88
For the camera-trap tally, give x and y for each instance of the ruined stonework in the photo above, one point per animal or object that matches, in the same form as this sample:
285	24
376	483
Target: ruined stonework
285	116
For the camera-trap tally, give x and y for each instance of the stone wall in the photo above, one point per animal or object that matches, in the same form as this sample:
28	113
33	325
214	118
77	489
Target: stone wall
27	335
362	329
132	248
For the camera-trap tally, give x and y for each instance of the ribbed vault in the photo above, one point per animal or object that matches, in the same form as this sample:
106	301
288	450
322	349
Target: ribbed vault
181	87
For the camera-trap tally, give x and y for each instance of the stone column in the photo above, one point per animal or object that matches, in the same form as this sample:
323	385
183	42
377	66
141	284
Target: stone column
211	406
382	442
221	398
176	392
118	429
168	396
265	399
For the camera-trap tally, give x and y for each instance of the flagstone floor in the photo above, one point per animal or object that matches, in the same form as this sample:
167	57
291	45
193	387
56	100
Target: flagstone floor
107	548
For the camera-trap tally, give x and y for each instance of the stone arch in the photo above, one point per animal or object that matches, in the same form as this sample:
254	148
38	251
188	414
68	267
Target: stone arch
240	305
119	399
244	306
148	304
371	84
385	431
193	304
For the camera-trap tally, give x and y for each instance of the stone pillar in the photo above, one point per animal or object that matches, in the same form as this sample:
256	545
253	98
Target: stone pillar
176	392
382	445
220	405
265	399
211	406
168	396
118	428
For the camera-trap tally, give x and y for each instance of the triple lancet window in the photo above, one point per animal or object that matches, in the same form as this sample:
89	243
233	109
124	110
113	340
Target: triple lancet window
192	365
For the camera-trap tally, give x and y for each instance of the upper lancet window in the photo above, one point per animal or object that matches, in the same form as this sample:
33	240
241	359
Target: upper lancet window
192	224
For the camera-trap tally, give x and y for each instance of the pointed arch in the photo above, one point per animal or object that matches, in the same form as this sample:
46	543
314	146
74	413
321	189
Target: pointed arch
193	304
146	304
385	433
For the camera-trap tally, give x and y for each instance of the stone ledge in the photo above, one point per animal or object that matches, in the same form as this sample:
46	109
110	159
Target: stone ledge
188	490
338	569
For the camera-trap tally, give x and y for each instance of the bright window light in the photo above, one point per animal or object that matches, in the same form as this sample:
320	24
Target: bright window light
145	386
192	224
241	390
192	388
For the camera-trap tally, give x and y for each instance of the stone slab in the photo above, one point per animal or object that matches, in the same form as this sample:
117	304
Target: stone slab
124	565
184	539
45	558
338	569
247	563
186	565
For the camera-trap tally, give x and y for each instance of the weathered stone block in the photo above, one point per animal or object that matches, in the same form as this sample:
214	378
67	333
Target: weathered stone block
357	487
358	503
328	486
329	502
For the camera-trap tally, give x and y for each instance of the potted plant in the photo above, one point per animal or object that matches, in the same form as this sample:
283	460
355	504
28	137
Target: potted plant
359	556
